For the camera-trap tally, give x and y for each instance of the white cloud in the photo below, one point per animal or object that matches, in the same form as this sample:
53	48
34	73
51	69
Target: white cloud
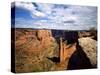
82	16
22	23
27	6
38	14
30	7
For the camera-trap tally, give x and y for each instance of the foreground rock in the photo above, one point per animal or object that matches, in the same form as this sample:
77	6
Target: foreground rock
89	46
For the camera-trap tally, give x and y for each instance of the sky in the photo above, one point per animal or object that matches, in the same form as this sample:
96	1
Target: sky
53	16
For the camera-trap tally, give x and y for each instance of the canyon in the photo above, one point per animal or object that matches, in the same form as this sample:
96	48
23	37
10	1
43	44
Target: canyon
52	50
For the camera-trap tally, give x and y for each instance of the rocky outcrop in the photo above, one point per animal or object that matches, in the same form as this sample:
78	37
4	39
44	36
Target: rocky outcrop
66	50
32	49
91	33
45	37
89	46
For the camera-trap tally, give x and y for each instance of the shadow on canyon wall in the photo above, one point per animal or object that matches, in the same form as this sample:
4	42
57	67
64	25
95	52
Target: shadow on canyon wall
79	59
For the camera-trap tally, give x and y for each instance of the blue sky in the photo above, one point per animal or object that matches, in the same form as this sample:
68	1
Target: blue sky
54	16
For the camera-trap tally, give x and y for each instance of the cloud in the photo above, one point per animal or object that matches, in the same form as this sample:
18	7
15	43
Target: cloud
70	21
38	14
27	6
45	24
30	7
59	15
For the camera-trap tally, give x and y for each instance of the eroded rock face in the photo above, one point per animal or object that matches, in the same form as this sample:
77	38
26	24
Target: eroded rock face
89	46
33	39
45	37
32	49
92	34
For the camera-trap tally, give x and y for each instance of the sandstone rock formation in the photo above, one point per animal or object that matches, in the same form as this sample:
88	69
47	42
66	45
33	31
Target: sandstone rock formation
45	37
90	48
92	34
32	49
